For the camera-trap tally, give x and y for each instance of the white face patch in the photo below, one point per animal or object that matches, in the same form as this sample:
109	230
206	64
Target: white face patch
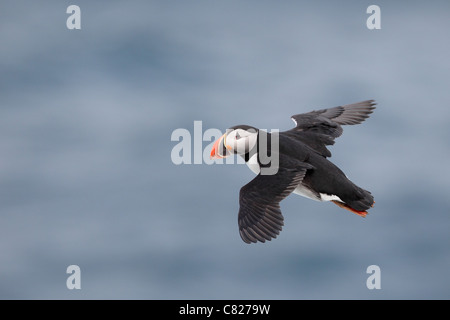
241	141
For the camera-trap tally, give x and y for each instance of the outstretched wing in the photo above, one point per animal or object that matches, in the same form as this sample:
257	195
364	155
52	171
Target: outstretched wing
319	128
260	217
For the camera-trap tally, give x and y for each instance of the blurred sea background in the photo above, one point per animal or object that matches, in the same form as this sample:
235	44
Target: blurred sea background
86	175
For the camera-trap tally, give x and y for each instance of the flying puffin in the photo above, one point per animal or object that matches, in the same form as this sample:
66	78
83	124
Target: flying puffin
302	168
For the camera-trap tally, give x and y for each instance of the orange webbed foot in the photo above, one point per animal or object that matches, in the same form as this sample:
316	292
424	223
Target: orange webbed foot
345	206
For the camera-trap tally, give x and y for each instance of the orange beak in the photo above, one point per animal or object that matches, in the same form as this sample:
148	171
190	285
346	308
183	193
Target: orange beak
215	154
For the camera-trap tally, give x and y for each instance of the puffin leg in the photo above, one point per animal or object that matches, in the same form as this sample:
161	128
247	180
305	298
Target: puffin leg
345	206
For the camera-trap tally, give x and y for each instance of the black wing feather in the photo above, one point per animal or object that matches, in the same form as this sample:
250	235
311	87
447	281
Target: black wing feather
319	128
260	217
349	114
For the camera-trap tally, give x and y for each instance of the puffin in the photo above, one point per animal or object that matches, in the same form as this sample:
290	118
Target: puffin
300	158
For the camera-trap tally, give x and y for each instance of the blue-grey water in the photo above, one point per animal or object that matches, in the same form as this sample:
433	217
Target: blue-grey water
86	176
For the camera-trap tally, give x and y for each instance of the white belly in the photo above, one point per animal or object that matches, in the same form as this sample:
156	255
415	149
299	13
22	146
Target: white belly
328	197
253	164
301	190
305	192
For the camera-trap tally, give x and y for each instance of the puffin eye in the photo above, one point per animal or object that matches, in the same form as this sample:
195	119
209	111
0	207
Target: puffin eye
238	136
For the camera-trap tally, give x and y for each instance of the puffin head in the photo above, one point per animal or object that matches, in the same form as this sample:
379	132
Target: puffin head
239	139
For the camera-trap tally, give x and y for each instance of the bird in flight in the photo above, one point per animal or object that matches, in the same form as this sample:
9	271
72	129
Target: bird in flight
302	167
